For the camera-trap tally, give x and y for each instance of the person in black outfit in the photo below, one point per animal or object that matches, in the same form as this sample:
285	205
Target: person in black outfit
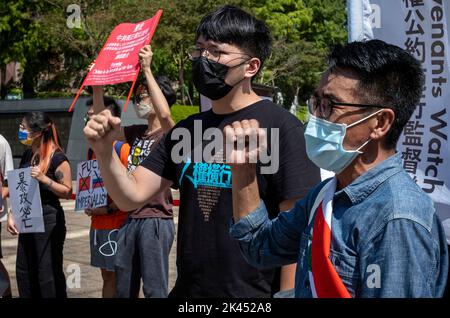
39	264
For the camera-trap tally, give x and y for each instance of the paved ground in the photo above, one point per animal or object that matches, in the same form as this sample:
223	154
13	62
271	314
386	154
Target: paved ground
76	255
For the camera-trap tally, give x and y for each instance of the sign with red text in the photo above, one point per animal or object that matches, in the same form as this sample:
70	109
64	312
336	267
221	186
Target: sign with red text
118	61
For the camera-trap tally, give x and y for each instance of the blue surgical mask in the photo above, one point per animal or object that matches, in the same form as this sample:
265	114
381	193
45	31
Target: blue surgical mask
24	137
324	143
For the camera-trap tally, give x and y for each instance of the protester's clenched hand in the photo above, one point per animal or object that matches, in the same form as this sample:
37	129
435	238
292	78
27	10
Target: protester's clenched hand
37	173
244	142
145	56
101	131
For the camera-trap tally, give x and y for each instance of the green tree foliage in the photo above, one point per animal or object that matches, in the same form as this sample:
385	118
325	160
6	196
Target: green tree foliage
303	31
55	56
19	35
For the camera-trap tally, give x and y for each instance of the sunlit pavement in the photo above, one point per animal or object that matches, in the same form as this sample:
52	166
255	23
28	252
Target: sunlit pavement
76	255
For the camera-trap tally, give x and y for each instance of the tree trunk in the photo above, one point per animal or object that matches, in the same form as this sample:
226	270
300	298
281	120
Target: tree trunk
191	92
181	80
3	86
28	82
297	92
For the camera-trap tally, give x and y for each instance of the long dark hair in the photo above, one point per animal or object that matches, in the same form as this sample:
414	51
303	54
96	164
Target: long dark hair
40	122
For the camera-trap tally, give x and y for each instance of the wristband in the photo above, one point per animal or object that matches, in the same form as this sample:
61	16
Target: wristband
109	209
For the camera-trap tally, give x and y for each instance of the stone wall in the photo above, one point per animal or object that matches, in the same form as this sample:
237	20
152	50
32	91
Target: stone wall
9	127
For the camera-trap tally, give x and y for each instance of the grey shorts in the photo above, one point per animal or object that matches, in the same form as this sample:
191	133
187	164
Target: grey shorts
103	248
143	253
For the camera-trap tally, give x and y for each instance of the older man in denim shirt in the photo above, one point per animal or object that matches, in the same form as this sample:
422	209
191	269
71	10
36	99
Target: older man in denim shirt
386	239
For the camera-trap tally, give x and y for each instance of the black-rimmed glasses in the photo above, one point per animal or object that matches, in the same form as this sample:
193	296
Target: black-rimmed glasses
210	53
323	107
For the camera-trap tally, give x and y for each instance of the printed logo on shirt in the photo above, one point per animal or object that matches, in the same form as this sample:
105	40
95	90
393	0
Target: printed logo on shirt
139	151
209	180
216	175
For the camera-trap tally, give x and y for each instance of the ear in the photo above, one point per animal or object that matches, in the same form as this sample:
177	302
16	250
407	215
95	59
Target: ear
252	67
383	123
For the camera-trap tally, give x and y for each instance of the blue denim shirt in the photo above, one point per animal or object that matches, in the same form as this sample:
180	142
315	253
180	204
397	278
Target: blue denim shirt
386	238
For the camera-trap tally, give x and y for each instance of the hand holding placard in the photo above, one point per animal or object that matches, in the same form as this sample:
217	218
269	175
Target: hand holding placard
25	201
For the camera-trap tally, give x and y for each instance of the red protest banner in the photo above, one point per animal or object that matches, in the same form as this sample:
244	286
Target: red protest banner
118	61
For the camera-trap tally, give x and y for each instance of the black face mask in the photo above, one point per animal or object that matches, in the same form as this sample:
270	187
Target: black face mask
209	77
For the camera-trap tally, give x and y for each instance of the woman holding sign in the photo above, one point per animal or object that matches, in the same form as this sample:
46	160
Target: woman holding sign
39	265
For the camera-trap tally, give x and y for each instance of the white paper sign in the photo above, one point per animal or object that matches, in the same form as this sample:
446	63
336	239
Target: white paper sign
25	201
91	192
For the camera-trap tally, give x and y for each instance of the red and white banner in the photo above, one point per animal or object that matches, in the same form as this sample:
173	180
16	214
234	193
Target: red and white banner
118	61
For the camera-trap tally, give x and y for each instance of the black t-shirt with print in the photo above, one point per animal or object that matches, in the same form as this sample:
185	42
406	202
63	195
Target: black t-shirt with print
209	261
142	144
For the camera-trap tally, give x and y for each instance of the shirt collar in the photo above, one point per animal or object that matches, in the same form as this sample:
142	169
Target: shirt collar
364	185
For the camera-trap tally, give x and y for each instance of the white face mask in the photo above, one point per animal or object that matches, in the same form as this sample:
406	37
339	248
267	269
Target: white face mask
143	110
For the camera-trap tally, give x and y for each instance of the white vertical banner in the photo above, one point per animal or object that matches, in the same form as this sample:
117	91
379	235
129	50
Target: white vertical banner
421	27
25	201
359	20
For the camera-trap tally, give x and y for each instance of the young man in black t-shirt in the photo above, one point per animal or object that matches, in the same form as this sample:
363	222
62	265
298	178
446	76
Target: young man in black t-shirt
230	49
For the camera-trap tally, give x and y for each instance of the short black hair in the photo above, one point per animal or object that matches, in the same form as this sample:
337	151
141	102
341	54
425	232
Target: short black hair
110	103
163	83
231	25
388	76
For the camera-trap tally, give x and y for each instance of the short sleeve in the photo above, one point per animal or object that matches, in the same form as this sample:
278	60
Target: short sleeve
7	160
296	174
160	162
58	158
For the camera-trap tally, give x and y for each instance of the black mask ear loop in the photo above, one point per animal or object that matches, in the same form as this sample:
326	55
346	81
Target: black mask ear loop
232	67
